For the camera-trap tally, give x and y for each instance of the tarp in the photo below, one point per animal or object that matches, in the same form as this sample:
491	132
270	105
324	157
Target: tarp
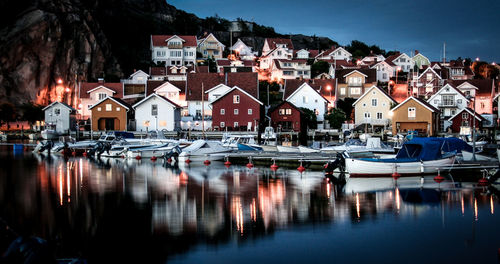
431	148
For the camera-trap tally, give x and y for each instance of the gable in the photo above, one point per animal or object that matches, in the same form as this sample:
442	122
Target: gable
236	88
167	87
101	87
378	92
417	101
356	73
162	99
308	89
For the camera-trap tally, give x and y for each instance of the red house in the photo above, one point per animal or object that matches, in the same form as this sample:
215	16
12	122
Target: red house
462	121
236	110
287	117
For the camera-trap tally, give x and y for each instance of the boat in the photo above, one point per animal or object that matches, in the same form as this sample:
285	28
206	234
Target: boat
287	149
304	149
469	156
152	151
201	150
49	133
417	157
269	135
373	144
240	142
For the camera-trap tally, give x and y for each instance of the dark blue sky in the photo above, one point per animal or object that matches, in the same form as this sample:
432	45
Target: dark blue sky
469	28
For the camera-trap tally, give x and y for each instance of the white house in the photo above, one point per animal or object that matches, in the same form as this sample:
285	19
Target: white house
281	52
290	69
307	97
243	51
60	117
135	85
210	47
384	71
173	49
156	112
335	53
302	54
450	101
403	61
171	92
272	43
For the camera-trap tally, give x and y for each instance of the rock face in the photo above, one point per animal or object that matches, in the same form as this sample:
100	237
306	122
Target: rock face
42	41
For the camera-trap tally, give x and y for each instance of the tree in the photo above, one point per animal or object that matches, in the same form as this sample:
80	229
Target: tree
7	113
484	70
310	118
319	67
346	106
274	92
359	49
336	117
32	112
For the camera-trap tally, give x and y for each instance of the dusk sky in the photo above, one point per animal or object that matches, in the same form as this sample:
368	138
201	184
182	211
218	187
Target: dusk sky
469	28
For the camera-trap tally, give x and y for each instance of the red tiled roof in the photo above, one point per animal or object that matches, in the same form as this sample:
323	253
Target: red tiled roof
161	71
247	81
85	87
313	53
485	86
160	40
370	73
202	69
318	85
273	41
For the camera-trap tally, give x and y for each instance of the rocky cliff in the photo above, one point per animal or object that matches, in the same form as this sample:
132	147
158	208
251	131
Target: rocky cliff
42	41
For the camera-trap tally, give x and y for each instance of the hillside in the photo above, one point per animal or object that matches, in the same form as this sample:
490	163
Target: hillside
44	40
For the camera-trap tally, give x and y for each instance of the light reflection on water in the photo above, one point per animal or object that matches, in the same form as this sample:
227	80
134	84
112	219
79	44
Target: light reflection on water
116	208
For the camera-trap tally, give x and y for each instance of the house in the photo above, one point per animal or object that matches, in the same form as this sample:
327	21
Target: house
458	71
210	47
402	61
176	73
281	52
173	50
290	69
461	122
482	92
90	93
60	116
157	112
243	51
449	100
371	59
172	90
384	71
415	114
135	85
305	54
335	53
420	60
226	65
304	96
110	113
326	87
426	83
236	110
353	82
273	43
287	117
373	108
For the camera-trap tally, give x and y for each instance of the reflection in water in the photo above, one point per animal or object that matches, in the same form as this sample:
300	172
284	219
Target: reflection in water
84	204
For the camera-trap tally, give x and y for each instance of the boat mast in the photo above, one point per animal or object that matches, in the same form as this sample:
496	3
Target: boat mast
202	111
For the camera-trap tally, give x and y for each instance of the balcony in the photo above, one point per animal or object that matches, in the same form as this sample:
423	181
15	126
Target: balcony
209	46
174	46
447	104
373	121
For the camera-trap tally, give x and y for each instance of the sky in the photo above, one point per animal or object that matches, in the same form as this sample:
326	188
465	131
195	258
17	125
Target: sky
469	28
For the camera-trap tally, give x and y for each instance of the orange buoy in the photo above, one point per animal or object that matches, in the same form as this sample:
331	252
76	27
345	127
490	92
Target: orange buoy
188	161
138	157
439	178
227	163
169	160
73	153
249	165
154	158
396	175
85	154
483	182
274	167
206	162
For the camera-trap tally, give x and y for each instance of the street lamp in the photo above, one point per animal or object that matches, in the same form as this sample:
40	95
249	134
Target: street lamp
470	98
329	88
397	70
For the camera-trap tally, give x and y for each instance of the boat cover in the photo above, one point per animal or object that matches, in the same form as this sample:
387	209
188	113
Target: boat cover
431	148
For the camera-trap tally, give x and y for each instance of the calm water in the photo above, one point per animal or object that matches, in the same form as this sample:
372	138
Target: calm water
145	212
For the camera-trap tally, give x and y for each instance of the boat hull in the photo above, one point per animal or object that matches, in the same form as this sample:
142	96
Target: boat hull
365	168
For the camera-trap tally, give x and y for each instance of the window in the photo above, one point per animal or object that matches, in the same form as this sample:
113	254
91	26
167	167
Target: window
236	124
412	113
118	109
467	92
453	112
198	112
367	115
236	111
342	91
459	101
281	112
364	105
101	96
288	111
429	76
465	123
154	110
236	99
482	105
448	100
222	111
305	100
109	107
249	111
355	90
216	52
465	115
379	116
198	103
205	52
98	109
374	102
402	60
222	124
175	53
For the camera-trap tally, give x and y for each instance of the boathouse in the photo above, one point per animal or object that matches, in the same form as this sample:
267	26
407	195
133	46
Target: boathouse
110	113
415	114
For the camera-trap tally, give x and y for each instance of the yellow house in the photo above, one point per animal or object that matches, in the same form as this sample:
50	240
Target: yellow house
210	47
373	108
415	114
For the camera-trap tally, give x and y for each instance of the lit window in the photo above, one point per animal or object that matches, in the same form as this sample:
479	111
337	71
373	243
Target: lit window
98	109
236	111
118	109
411	112
222	111
355	90
236	124
305	100
249	111
429	76
465	115
342	91
109	107
236	99
281	111
288	111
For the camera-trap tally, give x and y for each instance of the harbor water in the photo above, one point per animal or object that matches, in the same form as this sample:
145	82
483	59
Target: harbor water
140	211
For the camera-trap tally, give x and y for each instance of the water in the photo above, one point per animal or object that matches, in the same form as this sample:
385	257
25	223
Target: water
138	211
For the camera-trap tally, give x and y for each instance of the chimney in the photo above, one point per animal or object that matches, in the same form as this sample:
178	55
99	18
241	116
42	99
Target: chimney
100	80
416	52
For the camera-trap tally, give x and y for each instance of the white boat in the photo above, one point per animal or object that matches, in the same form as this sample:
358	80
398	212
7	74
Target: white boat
373	144
303	149
417	157
49	134
287	149
269	134
240	142
469	156
201	150
150	151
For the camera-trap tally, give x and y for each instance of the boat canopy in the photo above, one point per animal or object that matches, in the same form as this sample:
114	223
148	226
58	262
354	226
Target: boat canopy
431	148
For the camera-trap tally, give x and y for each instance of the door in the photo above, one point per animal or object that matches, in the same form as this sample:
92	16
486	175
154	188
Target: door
110	123
249	126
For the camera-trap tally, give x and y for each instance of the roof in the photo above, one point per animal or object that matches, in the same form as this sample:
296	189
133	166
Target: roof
282	103
290	93
484	86
420	101
429	69
162	71
340	63
375	87
273	41
161	40
116	100
318	85
56	102
351	72
159	96
470	111
205	38
153	85
331	50
444	87
239	89
86	86
277	63
371	74
247	81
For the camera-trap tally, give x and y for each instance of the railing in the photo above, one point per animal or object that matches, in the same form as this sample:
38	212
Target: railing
373	121
211	46
448	104
174	46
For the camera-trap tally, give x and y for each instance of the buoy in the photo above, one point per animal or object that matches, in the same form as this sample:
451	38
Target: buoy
301	168
154	158
274	167
63	152
396	175
73	153
188	161
326	166
483	182
249	165
206	162
169	160
85	154
227	163
439	178
138	157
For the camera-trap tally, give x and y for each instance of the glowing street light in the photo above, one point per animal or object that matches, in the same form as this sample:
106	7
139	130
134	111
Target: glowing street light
477	58
329	88
59	81
67	90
